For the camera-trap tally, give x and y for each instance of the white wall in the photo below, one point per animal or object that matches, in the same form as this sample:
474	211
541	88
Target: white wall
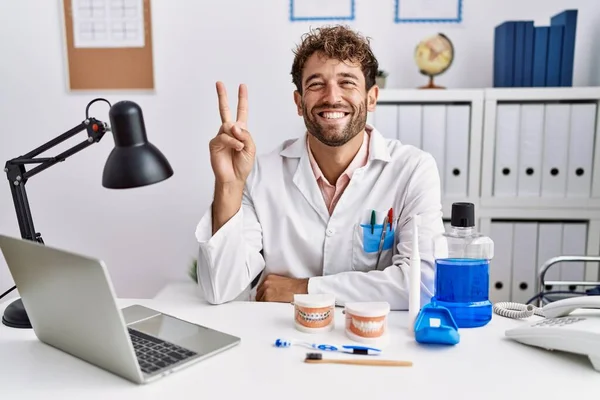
146	236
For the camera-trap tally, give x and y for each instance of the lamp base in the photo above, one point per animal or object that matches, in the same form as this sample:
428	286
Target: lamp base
15	316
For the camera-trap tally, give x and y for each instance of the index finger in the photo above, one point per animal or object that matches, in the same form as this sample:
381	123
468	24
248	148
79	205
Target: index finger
223	105
242	109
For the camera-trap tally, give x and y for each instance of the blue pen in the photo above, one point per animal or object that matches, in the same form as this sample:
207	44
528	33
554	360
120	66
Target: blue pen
327	347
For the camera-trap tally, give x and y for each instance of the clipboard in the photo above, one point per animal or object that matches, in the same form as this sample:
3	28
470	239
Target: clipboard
98	68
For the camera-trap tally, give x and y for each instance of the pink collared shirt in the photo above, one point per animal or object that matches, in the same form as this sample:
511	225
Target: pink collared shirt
332	193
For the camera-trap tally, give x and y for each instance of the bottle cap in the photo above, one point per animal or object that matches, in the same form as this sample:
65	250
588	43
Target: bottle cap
463	215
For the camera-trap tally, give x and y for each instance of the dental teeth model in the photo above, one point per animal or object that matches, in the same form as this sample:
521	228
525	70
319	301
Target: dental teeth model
314	312
366	321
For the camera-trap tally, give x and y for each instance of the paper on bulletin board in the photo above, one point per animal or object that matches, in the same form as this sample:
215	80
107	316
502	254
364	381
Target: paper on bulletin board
428	9
322	9
108	23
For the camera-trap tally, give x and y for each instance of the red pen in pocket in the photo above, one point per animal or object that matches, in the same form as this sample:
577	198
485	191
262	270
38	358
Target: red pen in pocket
390	217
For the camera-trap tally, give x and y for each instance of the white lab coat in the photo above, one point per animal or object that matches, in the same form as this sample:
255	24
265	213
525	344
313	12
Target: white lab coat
283	227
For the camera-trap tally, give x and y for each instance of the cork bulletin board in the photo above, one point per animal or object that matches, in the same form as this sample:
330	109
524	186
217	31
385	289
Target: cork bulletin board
108	44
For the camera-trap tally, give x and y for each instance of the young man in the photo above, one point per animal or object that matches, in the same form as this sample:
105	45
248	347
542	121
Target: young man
302	215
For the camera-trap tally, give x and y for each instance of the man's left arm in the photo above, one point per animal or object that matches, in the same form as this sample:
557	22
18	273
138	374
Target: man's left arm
392	284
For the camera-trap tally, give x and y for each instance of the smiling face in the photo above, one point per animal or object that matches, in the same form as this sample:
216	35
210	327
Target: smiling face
334	100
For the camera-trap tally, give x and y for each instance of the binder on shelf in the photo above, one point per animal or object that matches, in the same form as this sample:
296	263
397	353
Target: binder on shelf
524	261
531	139
540	55
574	241
457	150
549	245
528	47
568	20
410	124
506	150
581	150
521	30
386	120
434	135
555	150
504	40
501	268
553	67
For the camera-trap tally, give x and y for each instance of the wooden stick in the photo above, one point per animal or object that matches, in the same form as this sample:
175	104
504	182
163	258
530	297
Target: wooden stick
382	363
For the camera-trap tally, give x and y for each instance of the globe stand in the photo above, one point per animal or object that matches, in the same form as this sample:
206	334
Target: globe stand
431	85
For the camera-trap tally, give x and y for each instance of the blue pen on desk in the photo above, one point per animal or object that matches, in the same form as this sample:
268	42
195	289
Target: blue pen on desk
327	347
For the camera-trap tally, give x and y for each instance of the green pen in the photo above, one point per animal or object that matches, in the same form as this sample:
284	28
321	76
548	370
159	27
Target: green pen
373	221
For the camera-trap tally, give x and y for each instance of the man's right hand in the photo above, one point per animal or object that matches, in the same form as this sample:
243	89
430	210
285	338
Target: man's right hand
232	151
232	154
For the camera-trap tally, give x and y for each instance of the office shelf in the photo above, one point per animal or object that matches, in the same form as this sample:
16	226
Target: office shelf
564	198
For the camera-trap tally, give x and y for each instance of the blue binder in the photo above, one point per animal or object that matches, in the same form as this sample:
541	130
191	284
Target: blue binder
540	55
568	20
555	41
521	30
504	42
528	54
518	53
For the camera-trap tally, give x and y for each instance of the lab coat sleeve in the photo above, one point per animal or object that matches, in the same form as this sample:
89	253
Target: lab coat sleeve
422	197
230	259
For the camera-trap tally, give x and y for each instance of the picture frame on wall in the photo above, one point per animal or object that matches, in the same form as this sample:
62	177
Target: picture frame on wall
428	11
319	10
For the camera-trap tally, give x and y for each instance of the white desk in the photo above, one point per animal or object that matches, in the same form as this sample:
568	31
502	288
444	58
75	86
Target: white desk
484	365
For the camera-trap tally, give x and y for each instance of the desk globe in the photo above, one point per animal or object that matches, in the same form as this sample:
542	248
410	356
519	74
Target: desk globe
434	55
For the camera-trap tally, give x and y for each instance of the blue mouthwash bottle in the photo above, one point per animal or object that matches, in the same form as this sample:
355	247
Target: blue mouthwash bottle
462	258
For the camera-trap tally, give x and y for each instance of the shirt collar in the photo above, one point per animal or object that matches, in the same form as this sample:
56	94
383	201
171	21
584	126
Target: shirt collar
378	149
359	160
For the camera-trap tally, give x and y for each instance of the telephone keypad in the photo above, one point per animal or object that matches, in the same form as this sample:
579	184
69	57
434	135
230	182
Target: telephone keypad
560	321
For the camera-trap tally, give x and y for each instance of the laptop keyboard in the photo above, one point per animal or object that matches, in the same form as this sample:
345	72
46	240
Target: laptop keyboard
154	354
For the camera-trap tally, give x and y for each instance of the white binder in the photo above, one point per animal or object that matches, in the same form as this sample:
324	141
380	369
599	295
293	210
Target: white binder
386	120
434	136
573	244
506	150
501	265
549	246
524	261
409	124
556	145
457	150
531	140
581	150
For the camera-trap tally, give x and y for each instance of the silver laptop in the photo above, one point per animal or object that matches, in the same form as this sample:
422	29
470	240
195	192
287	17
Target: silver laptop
71	305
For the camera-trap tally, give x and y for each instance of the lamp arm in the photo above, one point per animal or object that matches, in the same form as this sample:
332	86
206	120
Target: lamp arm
17	174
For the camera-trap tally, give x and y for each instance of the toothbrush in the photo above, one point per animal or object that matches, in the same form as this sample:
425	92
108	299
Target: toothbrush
414	296
327	347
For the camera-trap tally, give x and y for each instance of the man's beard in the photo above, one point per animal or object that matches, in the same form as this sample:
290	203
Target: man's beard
357	123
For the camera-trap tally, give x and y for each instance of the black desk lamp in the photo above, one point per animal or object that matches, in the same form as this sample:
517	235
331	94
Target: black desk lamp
133	162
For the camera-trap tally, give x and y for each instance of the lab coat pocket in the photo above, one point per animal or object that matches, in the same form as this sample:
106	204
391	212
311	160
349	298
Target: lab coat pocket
366	244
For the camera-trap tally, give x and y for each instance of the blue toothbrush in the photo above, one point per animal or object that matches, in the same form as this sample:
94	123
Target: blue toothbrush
327	347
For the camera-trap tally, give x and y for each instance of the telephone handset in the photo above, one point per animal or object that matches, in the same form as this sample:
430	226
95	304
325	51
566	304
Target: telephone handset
561	330
560	308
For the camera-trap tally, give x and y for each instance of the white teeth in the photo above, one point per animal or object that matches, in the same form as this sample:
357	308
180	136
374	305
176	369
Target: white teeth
314	316
367	326
333	115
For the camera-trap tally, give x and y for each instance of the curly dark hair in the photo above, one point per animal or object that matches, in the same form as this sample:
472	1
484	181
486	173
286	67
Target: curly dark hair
337	42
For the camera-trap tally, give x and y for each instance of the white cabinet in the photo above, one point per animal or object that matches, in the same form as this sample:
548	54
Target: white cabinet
528	158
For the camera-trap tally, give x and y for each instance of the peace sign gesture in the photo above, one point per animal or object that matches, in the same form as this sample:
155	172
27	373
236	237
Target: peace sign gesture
232	151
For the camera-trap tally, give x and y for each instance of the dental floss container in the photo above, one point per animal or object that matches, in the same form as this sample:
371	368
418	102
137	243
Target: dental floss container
314	313
367	322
